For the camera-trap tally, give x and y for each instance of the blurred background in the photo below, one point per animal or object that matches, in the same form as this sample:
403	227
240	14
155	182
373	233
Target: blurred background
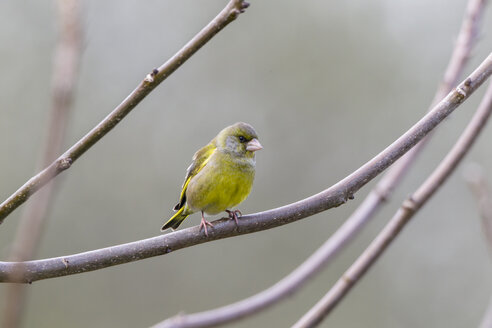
327	85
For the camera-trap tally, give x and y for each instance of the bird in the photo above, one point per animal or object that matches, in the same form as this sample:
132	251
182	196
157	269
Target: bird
220	176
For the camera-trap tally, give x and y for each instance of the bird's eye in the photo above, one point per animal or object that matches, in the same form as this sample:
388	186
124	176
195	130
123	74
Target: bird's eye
242	139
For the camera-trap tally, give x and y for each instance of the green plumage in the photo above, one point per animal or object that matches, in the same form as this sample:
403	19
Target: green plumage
220	176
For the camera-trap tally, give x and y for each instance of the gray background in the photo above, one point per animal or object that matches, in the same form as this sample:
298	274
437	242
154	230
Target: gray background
327	85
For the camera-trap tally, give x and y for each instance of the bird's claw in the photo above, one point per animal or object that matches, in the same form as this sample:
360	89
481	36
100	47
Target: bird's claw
203	224
234	215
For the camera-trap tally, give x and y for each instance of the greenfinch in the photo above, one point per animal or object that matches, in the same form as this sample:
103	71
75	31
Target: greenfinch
220	176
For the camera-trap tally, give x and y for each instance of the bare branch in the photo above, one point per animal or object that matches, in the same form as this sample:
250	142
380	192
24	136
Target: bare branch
152	80
331	197
409	207
461	53
65	70
464	44
322	257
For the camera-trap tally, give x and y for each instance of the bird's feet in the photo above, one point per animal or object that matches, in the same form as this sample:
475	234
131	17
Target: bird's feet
203	224
234	215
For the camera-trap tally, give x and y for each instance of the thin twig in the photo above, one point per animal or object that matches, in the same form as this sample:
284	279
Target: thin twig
152	80
331	197
407	210
475	178
65	71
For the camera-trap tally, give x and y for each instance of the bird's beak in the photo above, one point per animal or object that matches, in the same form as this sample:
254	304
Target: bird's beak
253	145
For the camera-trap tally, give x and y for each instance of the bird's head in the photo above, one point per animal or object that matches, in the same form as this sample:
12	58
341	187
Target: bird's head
239	139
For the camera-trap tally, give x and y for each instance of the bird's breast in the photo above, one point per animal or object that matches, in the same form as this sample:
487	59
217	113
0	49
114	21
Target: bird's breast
222	184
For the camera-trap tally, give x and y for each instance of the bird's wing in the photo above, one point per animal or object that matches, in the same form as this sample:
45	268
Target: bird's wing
200	159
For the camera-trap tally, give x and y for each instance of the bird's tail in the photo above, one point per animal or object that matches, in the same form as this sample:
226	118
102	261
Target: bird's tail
176	220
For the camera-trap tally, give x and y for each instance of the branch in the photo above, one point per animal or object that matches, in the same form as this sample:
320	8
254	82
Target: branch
461	53
331	197
383	189
407	210
153	79
65	71
327	252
